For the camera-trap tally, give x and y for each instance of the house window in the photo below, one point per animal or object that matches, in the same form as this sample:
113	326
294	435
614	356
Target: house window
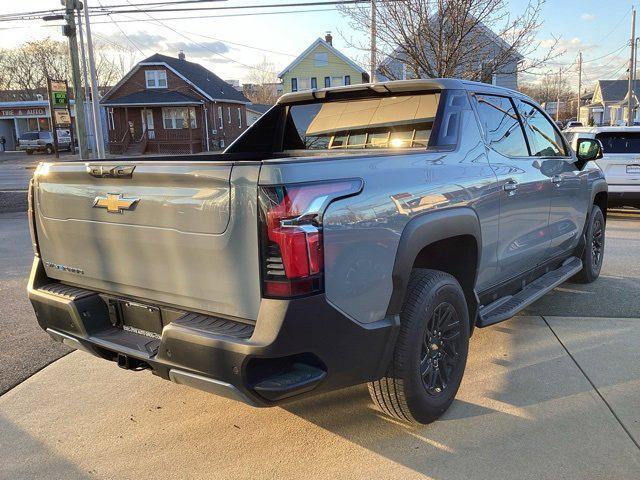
220	119
304	84
314	82
321	59
327	81
239	118
112	123
294	84
347	79
156	78
229	114
176	117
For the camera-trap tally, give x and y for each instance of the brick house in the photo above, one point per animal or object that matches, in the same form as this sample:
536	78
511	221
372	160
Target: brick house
170	105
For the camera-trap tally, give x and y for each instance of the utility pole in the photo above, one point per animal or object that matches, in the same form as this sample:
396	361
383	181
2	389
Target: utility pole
558	99
95	94
579	84
631	67
372	75
70	31
83	67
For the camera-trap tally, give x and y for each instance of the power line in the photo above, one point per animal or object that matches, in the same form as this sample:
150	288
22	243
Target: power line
245	7
104	10
202	45
124	34
606	55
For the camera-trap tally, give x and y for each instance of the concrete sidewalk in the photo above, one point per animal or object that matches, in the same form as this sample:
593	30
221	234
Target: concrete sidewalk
526	410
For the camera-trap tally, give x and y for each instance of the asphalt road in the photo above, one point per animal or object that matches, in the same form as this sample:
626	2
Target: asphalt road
555	394
24	347
16	169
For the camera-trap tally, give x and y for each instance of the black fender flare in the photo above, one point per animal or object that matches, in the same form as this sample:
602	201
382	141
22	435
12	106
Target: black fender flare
599	185
422	231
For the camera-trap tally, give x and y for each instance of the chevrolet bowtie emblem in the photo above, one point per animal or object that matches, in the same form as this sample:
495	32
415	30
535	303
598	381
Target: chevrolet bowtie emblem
115	203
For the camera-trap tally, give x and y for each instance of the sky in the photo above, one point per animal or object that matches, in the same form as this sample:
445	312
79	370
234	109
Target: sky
229	45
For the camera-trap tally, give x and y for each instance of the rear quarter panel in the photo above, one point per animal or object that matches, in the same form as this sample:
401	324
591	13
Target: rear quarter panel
362	233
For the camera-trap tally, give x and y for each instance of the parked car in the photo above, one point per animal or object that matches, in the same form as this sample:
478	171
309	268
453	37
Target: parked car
352	234
620	162
42	142
572	123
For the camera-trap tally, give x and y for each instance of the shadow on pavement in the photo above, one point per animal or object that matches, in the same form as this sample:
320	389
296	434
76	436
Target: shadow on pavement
39	454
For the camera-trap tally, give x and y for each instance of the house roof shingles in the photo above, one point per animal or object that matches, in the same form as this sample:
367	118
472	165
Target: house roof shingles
157	97
616	90
205	80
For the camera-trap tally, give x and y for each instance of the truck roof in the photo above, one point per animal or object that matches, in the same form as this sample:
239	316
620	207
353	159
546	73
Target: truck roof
398	86
608	128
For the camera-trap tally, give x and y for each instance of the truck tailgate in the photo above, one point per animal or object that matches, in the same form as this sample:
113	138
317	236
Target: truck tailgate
178	233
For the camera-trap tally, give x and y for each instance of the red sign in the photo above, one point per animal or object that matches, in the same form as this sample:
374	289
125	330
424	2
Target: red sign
23	112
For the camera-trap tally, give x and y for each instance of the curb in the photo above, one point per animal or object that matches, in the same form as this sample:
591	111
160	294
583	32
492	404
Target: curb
12	201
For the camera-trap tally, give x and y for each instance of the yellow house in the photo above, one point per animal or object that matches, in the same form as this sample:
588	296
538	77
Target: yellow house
321	65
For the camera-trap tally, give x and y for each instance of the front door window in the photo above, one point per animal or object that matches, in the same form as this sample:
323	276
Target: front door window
147	123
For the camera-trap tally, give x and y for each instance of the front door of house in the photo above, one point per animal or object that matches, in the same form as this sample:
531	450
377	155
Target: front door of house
147	123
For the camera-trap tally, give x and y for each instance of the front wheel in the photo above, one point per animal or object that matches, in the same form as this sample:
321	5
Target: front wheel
431	351
593	253
49	149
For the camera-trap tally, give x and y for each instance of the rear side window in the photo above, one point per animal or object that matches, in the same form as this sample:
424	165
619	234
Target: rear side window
544	138
620	142
404	121
501	126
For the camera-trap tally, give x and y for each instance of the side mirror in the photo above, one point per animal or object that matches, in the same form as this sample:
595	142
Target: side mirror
588	149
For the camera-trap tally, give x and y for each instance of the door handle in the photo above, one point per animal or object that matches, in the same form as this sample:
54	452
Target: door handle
557	180
511	186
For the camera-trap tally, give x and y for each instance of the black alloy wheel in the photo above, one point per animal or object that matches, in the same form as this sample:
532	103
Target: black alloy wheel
440	347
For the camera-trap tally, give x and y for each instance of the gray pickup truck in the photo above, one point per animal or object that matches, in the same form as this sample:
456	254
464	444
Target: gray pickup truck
353	234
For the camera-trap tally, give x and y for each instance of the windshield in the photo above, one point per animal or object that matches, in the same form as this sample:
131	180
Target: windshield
387	122
620	142
29	136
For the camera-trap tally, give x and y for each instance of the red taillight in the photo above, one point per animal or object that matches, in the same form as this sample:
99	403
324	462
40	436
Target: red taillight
291	235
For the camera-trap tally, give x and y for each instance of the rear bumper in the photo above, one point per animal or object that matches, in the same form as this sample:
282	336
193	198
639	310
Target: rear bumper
296	348
623	195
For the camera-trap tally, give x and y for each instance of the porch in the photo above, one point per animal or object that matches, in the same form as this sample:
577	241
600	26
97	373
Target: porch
164	126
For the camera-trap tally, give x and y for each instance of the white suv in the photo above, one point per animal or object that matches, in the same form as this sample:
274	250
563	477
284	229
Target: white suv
620	163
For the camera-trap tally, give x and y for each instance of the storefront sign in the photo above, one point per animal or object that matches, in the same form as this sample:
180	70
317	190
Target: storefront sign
62	117
58	92
23	112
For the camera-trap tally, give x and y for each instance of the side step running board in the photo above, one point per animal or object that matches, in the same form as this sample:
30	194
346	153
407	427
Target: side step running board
506	307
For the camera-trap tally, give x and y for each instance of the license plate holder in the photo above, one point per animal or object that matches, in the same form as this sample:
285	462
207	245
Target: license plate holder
141	317
633	169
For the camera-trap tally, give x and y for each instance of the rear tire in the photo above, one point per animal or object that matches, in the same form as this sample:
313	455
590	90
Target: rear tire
29	152
593	253
430	353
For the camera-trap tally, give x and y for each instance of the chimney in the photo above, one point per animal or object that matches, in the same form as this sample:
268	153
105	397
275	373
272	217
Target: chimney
181	55
328	38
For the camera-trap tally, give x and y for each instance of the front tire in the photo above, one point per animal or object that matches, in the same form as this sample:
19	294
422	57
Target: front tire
593	253
49	149
430	353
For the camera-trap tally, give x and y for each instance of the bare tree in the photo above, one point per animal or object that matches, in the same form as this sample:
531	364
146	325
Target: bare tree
262	83
471	39
24	69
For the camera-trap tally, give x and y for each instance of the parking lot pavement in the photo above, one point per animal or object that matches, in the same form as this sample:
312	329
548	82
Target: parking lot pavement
525	410
551	395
